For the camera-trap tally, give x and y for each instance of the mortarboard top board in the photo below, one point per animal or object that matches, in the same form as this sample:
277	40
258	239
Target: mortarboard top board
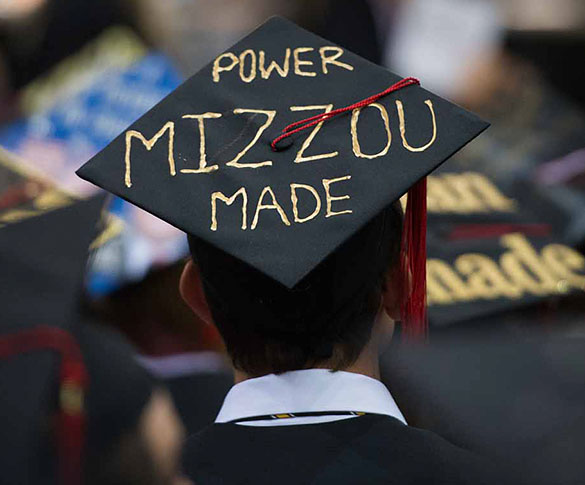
460	203
466	197
45	351
26	193
43	260
489	253
483	277
203	160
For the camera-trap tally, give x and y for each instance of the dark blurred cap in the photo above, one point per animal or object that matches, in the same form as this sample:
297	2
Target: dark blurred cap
67	387
489	252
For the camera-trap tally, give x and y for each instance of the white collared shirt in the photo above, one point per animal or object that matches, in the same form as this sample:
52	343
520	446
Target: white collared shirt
307	391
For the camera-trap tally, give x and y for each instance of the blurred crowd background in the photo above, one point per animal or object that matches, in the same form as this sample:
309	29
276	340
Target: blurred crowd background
506	215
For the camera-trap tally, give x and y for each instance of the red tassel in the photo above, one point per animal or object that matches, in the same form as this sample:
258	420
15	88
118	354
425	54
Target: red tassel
71	420
414	261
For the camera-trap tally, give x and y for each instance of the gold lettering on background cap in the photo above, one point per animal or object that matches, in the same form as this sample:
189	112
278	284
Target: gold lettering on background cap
466	193
400	109
270	114
229	201
445	284
466	200
282	71
522	262
332	59
488	192
355	143
252	75
295	201
520	270
300	158
217	67
203	168
330	199
170	126
16	215
441	198
566	262
476	193
436	292
484	277
275	206
298	62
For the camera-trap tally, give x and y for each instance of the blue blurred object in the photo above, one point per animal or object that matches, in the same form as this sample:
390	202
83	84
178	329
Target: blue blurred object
57	141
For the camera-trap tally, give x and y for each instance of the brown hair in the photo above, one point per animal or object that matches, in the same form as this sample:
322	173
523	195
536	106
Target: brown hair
329	315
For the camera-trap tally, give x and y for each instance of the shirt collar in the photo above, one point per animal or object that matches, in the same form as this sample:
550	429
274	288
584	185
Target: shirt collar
307	391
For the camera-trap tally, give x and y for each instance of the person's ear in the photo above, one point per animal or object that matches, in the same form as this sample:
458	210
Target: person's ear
395	292
191	289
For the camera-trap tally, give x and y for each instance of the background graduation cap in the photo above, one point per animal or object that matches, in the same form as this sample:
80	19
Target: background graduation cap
490	253
304	141
59	391
25	193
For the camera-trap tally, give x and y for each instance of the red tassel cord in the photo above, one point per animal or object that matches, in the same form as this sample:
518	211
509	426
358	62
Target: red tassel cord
72	420
414	251
70	436
414	259
314	120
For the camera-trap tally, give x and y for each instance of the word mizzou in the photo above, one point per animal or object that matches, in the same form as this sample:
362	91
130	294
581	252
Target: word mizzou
204	121
206	167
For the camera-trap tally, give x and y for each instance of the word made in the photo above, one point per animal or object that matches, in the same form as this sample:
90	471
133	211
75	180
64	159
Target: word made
268	201
520	271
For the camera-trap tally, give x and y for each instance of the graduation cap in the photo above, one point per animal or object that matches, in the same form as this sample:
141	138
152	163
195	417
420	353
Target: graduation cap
64	385
24	193
282	148
474	278
489	253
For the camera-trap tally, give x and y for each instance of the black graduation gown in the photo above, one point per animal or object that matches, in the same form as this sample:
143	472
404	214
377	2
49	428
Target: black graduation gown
197	413
365	450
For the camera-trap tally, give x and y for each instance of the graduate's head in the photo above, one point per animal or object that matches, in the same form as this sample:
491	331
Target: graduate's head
328	316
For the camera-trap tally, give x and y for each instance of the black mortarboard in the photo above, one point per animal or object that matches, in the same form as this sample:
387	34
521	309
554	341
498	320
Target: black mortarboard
49	361
43	261
470	279
213	160
489	253
24	193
